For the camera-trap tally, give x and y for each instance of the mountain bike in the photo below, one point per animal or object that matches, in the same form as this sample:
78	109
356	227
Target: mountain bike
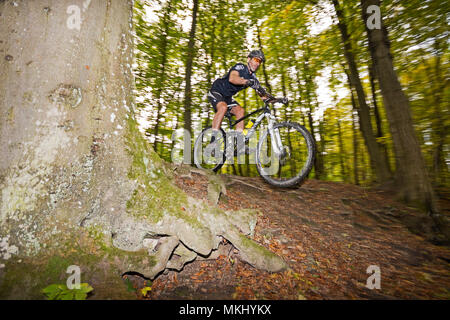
284	153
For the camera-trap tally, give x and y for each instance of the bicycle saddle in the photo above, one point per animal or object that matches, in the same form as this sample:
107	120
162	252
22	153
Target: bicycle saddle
228	113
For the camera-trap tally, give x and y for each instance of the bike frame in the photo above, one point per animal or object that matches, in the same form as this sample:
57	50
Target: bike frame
277	144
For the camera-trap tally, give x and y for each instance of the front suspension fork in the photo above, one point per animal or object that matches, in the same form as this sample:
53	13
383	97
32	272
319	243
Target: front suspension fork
275	138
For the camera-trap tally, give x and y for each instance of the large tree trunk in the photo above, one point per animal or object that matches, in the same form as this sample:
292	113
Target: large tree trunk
79	185
376	112
412	176
378	162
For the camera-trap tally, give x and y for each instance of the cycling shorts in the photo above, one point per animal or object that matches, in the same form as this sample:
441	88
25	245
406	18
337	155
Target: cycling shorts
215	97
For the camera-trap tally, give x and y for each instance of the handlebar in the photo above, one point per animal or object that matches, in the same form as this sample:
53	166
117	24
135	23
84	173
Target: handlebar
271	99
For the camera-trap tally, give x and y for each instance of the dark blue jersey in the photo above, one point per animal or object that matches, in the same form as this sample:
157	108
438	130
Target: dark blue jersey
225	87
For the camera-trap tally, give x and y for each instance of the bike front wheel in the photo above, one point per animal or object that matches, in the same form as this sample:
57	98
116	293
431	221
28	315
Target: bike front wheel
285	157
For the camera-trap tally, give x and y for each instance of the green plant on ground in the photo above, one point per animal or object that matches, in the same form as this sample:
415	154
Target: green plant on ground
62	292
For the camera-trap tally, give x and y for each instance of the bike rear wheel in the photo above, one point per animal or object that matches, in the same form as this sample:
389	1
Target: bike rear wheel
293	164
209	152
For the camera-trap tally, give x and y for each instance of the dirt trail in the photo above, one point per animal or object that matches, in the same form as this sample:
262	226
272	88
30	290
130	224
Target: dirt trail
329	233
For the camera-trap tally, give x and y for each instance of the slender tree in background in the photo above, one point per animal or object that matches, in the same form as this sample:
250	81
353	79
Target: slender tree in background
376	112
411	174
161	72
439	125
354	121
309	71
158	78
260	44
341	152
355	143
188	74
376	158
319	165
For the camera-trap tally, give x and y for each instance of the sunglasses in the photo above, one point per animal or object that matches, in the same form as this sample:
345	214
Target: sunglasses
257	59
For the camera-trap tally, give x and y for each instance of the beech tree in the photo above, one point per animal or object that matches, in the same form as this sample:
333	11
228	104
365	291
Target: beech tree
412	177
378	162
188	74
79	183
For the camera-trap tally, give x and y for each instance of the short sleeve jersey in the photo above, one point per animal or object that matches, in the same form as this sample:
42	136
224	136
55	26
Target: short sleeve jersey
225	87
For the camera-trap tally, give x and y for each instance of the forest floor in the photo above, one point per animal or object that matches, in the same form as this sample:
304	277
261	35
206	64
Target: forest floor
329	233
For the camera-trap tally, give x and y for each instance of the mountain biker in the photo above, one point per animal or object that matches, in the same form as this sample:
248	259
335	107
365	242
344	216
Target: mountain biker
239	77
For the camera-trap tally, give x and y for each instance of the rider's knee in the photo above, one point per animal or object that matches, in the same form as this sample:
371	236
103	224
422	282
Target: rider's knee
239	111
221	107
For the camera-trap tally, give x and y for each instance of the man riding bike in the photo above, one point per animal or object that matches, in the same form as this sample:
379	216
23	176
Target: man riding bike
239	77
283	151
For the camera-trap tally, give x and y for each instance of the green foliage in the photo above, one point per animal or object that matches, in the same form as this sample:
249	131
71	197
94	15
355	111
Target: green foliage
62	292
303	48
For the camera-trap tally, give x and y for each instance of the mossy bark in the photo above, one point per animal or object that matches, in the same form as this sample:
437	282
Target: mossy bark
79	183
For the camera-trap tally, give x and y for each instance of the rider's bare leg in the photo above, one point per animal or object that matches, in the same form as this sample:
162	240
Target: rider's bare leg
218	117
239	112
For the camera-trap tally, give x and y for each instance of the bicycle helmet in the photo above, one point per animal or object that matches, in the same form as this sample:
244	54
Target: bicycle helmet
258	54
